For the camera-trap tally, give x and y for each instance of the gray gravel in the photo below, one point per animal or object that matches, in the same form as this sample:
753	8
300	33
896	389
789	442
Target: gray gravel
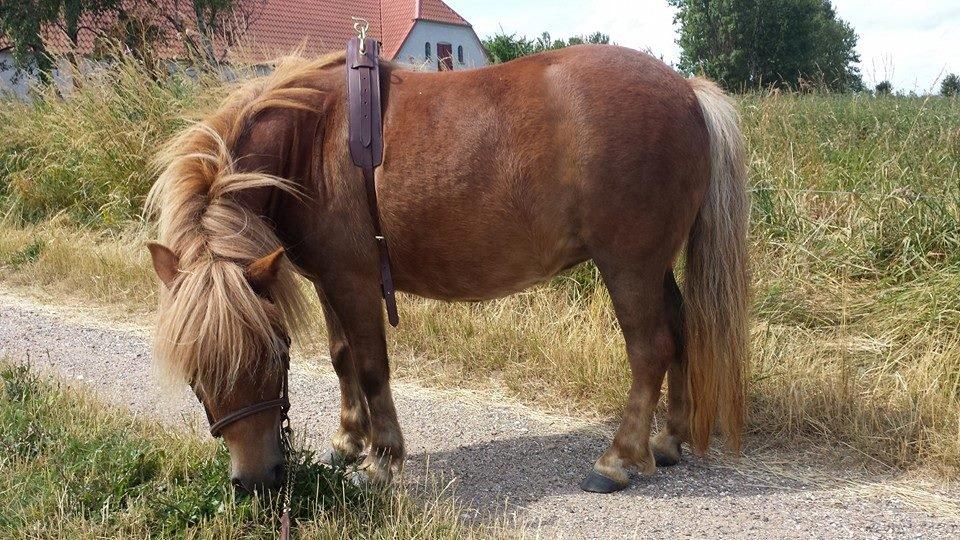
498	456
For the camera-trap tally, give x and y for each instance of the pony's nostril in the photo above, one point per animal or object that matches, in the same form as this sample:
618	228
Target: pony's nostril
238	484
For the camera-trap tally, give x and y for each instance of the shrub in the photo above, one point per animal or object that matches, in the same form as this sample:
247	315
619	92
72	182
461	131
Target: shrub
950	86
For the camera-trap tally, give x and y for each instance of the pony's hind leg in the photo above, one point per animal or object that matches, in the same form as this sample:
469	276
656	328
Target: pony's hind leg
349	440
666	444
639	301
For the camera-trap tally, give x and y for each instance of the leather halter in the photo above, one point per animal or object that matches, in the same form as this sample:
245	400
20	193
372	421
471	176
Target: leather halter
366	145
283	402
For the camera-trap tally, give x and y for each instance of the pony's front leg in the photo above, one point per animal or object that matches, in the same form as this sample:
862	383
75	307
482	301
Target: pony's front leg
350	439
360	313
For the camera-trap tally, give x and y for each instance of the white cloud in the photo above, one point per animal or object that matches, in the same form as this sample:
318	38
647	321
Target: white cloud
646	25
913	44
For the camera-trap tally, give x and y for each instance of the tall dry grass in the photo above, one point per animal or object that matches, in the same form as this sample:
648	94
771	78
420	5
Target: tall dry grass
855	248
88	156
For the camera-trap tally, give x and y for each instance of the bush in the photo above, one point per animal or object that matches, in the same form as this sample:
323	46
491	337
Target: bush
950	86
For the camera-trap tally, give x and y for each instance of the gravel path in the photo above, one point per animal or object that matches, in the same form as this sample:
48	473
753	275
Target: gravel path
499	456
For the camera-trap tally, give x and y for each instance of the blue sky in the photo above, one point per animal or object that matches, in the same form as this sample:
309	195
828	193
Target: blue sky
910	42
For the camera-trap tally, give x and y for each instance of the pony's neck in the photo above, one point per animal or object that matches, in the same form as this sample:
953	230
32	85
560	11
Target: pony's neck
282	143
279	144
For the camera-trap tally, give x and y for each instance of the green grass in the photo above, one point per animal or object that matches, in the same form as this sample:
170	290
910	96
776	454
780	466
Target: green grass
855	244
71	467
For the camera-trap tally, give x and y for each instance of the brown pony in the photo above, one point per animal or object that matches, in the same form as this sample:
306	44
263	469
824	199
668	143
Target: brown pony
493	180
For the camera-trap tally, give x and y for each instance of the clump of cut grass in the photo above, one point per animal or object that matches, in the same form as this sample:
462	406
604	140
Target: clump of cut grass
73	468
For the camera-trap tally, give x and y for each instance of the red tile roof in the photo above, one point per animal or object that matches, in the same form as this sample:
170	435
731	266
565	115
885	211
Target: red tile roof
436	10
316	26
398	18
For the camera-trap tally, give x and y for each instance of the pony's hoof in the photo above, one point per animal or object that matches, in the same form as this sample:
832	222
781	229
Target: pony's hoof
666	450
664	460
598	483
336	459
364	480
373	472
360	479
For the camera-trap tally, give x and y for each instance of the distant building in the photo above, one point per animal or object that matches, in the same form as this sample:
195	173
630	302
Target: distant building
427	34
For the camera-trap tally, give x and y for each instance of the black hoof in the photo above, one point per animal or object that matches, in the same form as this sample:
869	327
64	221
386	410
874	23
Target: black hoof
663	460
598	483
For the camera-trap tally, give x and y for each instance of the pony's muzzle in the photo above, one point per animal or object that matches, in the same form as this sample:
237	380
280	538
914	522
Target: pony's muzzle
271	480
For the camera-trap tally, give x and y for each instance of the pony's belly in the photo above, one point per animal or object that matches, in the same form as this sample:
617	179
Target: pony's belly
487	278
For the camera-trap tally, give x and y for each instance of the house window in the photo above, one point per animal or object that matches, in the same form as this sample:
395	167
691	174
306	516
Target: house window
427	51
460	53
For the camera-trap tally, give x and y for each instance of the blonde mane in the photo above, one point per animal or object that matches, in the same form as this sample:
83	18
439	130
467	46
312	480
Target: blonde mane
212	326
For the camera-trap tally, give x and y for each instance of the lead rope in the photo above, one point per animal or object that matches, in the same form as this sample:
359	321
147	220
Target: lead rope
286	443
286	433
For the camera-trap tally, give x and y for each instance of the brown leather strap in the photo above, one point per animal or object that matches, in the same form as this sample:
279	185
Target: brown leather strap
218	426
283	402
366	146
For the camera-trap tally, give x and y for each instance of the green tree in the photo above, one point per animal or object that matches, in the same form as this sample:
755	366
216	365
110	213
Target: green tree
22	23
597	38
503	47
885	88
950	86
747	44
210	28
207	28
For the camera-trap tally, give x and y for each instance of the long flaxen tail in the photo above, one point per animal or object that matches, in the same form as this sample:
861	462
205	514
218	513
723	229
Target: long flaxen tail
716	288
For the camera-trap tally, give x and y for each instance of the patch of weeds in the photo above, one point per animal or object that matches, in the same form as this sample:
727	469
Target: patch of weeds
18	382
29	254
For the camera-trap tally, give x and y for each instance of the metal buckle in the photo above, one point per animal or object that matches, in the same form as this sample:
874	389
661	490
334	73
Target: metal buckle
361	26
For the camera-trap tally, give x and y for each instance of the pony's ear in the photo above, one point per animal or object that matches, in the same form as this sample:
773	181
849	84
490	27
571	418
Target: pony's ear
263	271
165	262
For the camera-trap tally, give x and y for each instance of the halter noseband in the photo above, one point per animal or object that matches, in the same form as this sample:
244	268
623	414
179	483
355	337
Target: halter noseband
283	402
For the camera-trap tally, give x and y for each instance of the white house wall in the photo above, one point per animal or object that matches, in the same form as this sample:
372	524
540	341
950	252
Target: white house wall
10	81
412	51
19	83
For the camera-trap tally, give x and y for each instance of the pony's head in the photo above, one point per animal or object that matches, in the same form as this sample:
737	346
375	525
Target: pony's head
229	299
221	329
228	303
